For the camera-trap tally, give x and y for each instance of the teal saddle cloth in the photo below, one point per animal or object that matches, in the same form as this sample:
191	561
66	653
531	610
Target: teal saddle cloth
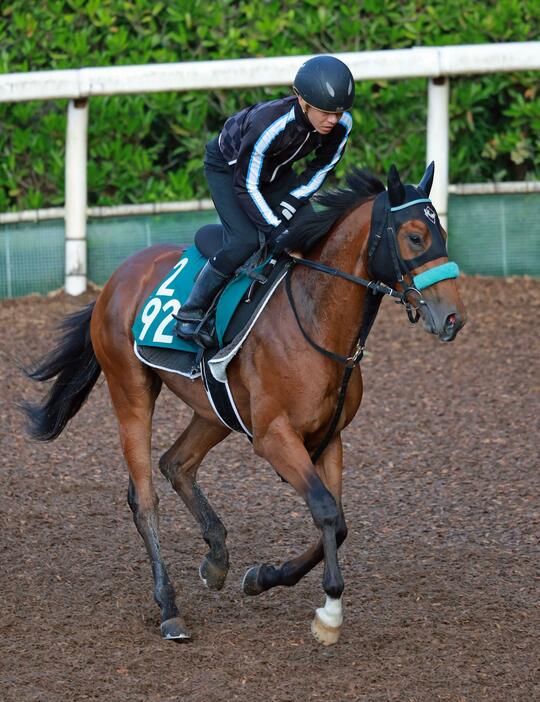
154	325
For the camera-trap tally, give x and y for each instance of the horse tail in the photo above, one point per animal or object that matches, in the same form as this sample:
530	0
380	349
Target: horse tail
74	365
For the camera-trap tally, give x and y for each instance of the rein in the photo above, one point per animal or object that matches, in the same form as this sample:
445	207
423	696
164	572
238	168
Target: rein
373	301
357	350
375	286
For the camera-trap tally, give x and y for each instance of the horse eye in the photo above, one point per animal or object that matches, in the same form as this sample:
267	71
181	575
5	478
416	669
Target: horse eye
415	239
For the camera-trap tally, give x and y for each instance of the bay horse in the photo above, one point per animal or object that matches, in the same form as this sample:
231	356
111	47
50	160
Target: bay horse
286	379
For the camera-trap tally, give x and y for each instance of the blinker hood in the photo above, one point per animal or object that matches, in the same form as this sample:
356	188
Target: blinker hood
391	209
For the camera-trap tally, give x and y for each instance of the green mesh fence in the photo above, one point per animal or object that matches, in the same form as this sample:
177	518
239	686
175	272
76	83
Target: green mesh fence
495	234
31	258
32	254
112	240
488	235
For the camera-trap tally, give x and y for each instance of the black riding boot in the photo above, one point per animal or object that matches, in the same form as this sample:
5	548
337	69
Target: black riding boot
192	312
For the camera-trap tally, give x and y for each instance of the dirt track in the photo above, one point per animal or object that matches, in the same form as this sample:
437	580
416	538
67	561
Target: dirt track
441	496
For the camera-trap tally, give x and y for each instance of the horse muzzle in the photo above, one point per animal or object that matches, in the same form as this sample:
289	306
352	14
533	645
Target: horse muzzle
452	324
445	324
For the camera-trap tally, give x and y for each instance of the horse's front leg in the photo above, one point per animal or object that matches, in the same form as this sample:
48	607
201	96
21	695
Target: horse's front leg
263	577
282	447
327	622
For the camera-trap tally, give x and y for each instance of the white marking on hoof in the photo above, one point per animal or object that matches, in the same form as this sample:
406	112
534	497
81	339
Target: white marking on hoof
326	625
332	613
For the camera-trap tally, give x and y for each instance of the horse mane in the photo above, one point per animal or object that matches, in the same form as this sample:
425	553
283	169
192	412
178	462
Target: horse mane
361	186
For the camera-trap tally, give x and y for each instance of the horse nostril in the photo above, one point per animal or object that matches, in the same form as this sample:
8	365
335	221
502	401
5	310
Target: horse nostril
452	325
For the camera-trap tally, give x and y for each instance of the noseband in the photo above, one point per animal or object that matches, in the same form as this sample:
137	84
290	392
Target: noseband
385	262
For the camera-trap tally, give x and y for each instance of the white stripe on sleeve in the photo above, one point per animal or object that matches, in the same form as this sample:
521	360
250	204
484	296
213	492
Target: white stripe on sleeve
317	180
256	162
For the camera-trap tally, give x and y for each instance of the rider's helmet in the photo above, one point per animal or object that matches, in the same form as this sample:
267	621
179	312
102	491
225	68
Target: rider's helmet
326	83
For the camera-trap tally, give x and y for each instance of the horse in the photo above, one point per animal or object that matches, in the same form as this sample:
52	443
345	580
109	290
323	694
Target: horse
287	379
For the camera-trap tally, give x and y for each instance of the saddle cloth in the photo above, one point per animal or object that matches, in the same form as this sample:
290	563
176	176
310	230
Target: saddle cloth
238	308
154	324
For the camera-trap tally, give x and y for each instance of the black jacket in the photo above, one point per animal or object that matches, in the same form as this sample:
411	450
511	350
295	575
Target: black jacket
262	142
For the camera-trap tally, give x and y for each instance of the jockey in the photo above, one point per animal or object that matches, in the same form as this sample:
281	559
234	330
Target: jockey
249	172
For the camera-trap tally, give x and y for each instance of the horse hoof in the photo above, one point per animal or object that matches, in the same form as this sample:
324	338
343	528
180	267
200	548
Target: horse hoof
250	584
175	630
327	635
212	576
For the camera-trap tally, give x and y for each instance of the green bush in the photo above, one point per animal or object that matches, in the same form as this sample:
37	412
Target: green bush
150	147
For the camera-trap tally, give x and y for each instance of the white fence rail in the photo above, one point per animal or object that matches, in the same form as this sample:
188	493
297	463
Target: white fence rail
420	62
78	85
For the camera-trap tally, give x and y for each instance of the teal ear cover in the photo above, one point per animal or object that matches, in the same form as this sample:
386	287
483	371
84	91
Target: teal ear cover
435	275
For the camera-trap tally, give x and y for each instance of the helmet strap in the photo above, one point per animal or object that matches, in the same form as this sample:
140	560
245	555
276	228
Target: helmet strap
304	106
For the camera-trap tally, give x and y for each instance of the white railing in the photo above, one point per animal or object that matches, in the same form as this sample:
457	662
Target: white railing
147	208
435	63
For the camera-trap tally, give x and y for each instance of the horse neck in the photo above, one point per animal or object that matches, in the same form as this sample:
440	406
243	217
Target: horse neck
334	305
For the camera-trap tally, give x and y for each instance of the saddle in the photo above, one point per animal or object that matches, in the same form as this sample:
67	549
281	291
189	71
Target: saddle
235	313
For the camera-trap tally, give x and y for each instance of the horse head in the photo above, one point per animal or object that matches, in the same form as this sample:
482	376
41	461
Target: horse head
407	250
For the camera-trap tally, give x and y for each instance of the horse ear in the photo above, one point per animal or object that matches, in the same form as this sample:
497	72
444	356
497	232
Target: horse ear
427	179
396	191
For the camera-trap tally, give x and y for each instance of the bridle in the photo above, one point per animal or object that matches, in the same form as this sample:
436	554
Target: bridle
385	224
401	271
386	263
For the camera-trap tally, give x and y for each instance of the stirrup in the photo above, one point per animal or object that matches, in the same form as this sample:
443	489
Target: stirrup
203	334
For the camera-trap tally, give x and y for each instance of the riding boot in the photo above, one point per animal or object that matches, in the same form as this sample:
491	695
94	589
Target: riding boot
208	284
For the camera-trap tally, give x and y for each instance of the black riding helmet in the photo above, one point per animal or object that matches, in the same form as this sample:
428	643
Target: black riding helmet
326	83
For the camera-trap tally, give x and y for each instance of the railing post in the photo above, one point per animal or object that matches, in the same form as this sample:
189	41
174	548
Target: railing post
76	196
438	143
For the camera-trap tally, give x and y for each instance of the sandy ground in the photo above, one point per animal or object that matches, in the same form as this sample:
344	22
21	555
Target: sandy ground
441	498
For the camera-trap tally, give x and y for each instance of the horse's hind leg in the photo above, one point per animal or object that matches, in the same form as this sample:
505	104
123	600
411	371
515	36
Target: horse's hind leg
179	465
134	407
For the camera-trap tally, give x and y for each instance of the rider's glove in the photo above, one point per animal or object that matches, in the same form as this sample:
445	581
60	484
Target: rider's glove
288	206
280	240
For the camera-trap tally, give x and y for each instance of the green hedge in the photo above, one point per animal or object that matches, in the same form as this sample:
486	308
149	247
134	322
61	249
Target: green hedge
150	147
